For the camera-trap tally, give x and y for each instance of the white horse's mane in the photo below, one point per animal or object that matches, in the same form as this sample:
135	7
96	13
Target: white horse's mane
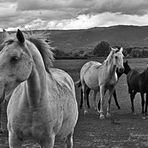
109	57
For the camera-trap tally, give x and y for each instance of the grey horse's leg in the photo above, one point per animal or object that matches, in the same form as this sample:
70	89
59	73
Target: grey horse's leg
111	91
69	141
3	116
132	96
146	104
102	93
115	98
84	89
48	142
14	141
95	101
142	102
87	96
81	101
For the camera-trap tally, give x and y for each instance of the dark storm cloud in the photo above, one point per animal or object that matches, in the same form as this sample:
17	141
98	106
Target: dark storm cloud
137	7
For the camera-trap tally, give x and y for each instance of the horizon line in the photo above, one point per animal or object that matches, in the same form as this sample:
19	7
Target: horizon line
24	29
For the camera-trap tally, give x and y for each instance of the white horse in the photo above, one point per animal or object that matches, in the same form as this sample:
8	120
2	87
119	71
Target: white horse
42	103
101	77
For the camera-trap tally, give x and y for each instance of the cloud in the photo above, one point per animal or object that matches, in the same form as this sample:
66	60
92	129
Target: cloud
101	20
4	1
87	21
41	4
7	13
71	14
138	7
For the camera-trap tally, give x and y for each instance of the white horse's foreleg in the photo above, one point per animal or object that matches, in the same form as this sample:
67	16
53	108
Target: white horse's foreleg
14	141
111	91
69	141
48	142
102	93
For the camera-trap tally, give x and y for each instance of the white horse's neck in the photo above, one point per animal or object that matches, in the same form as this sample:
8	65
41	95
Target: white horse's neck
37	82
111	68
34	88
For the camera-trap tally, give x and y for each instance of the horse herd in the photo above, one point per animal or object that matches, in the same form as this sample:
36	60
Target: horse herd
137	83
42	100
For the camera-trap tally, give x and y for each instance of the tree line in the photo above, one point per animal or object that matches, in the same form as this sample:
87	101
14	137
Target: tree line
102	49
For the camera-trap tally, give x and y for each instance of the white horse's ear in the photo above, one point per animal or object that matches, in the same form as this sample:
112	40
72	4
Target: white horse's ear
121	49
20	36
113	50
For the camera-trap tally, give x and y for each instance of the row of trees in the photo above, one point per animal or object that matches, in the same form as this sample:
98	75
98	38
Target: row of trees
102	49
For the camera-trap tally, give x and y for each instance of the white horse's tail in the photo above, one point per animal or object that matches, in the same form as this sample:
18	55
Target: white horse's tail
78	83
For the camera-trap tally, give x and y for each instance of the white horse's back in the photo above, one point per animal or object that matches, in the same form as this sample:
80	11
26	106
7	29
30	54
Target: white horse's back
63	78
89	74
67	102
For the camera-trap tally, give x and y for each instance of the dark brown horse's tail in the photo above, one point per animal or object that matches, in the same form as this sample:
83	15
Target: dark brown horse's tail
78	83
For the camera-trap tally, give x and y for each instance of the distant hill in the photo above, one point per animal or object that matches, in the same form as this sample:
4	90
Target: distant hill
87	39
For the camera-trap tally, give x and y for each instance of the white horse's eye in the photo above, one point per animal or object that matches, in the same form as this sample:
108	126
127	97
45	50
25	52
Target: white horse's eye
116	57
14	59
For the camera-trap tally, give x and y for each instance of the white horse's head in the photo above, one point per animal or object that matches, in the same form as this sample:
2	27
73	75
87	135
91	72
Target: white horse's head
118	58
15	63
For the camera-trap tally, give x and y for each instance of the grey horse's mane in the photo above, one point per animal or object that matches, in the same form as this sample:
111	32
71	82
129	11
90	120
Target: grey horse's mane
45	51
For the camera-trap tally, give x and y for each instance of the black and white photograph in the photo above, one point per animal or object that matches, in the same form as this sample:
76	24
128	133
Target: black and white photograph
73	73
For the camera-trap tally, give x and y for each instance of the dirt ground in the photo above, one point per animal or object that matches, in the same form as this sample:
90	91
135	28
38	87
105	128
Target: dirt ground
122	130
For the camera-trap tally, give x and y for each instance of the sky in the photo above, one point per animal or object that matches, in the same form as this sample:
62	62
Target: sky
71	14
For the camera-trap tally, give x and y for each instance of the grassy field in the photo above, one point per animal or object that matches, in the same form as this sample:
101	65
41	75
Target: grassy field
128	130
122	130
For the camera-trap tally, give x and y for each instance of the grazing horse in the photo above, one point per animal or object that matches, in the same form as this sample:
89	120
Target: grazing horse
119	74
138	83
43	103
103	77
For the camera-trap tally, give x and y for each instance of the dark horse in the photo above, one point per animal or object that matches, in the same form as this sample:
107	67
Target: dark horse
119	74
138	83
